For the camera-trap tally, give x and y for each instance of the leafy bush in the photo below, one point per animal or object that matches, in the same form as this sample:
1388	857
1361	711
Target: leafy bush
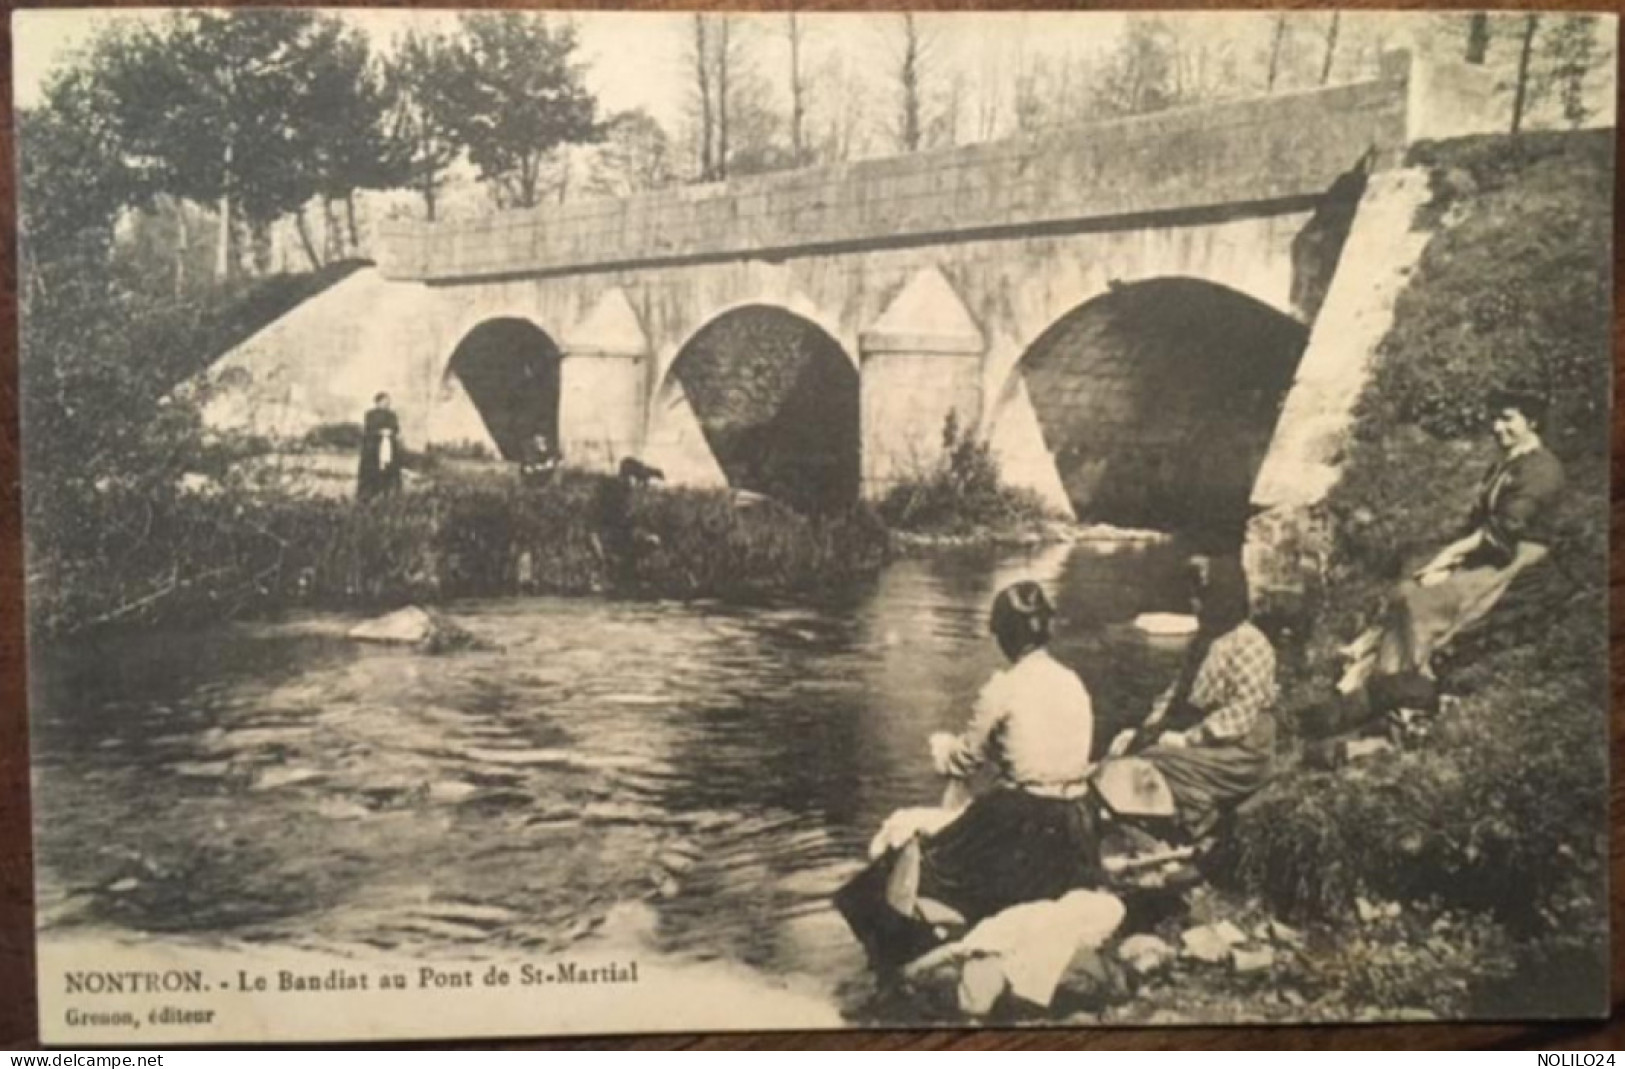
334	437
145	554
461	450
964	493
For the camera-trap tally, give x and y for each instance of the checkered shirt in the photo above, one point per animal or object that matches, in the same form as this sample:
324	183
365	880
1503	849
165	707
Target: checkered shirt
1235	685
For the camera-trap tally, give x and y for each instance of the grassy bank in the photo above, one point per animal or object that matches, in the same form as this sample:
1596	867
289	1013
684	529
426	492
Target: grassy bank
141	554
1501	818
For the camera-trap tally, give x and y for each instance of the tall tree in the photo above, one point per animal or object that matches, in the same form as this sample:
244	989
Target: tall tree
736	130
705	101
722	58
342	126
840	117
519	96
73	181
1478	37
422	76
1521	90
1141	75
1331	46
1277	46
1571	51
911	56
795	32
209	105
635	156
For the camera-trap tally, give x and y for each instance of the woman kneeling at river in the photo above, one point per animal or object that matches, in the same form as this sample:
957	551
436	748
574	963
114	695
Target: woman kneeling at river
1214	728
1028	837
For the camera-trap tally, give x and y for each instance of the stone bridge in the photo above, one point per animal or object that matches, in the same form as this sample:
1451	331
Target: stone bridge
1119	309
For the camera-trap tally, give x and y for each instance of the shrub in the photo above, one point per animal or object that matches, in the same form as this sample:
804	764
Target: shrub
334	437
151	553
964	493
461	450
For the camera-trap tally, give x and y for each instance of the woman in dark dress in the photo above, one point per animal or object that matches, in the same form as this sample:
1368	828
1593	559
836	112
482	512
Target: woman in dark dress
1508	531
1028	837
380	451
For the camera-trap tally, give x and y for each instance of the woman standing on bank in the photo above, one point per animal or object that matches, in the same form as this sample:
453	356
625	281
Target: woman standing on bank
380	451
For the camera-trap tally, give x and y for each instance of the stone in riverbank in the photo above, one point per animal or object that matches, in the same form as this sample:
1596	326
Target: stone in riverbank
405	627
1145	954
413	626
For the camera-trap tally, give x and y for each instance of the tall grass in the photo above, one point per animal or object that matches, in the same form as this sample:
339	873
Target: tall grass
142	557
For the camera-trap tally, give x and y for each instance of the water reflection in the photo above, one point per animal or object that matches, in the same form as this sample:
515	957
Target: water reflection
729	765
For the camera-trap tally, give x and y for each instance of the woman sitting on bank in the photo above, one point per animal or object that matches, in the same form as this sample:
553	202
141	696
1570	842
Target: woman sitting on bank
1212	732
1027	837
1507	532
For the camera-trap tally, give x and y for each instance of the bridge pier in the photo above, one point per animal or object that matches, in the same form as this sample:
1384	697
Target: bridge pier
1289	538
602	386
921	362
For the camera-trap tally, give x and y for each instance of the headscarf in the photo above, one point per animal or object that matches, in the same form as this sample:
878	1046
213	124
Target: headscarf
1021	618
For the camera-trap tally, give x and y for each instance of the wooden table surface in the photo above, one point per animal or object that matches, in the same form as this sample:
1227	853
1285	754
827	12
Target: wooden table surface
17	1024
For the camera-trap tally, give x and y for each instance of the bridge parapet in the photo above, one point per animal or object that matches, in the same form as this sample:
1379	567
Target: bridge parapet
1282	150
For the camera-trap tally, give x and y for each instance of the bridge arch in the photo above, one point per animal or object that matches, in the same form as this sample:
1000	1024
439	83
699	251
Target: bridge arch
1151	405
771	398
509	369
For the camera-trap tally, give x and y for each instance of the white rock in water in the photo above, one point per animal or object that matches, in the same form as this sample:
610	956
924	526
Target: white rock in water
1145	954
1166	623
1282	933
272	778
1204	943
630	924
1247	961
342	809
407	626
1361	749
451	790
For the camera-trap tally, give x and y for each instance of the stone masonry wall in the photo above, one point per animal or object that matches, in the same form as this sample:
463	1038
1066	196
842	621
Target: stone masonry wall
1284	148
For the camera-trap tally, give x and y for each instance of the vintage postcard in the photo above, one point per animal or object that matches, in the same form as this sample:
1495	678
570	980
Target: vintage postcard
548	523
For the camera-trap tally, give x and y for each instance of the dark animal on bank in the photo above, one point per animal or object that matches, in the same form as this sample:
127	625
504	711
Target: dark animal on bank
638	473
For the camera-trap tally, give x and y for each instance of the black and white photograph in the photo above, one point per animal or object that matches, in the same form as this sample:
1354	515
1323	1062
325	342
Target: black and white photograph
546	523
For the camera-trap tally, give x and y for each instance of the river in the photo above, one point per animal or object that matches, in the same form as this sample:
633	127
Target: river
277	783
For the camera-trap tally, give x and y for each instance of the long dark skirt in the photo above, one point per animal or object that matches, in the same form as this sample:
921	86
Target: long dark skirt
373	478
1424	619
1207	780
1009	847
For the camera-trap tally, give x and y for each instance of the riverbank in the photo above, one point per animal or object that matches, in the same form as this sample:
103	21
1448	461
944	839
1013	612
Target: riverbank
261	529
1465	876
140	555
1051	532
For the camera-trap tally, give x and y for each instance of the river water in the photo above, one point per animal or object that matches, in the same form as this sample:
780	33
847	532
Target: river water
280	784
